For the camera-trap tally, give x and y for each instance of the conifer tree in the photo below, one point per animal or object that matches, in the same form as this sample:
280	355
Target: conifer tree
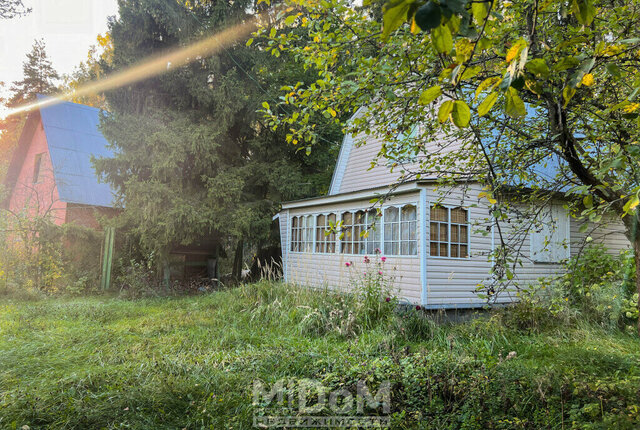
39	76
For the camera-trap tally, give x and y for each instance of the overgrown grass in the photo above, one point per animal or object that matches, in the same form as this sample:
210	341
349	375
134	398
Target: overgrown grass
190	363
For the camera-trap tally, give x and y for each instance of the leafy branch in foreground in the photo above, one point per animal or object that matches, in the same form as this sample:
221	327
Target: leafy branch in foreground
501	90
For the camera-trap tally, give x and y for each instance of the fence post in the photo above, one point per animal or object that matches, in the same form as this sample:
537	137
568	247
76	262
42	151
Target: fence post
107	258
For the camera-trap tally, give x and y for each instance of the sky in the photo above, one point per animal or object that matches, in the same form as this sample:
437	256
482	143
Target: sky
68	27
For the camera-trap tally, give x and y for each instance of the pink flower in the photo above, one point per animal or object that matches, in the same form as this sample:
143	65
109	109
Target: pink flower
378	251
388	299
366	259
383	259
380	272
418	308
347	264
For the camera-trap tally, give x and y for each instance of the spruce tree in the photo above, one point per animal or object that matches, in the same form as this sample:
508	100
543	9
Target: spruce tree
195	163
39	76
12	8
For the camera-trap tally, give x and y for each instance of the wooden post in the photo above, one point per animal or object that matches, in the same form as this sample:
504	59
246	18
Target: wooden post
107	258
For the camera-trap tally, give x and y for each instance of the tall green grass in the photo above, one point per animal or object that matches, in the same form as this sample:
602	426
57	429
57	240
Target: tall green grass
190	362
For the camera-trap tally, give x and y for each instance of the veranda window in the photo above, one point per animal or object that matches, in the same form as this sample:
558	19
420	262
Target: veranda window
360	234
449	232
325	233
400	231
302	233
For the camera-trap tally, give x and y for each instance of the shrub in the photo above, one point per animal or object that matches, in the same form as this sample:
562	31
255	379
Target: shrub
598	287
136	279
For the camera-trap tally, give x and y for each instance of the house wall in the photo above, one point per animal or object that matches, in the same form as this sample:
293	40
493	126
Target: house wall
88	216
449	282
330	270
37	198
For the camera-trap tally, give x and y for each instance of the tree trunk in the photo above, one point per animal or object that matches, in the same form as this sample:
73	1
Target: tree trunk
237	260
636	250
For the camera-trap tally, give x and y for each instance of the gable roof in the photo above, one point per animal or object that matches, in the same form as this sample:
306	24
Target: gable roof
73	138
543	172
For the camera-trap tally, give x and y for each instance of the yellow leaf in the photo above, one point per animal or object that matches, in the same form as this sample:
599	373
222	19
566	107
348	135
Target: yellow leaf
515	49
587	80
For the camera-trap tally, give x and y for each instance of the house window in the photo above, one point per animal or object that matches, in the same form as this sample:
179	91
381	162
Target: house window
400	236
302	233
37	167
550	240
373	231
359	233
449	232
325	233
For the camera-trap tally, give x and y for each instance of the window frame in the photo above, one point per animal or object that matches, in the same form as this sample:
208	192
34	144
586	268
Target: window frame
448	223
327	240
300	246
37	168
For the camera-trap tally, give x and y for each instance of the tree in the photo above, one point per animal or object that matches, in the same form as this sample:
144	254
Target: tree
39	76
194	159
12	8
519	83
98	57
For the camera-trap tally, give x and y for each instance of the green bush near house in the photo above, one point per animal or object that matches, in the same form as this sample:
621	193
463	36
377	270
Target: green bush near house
190	362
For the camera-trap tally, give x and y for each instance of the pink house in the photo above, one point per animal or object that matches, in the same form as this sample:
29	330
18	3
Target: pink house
51	172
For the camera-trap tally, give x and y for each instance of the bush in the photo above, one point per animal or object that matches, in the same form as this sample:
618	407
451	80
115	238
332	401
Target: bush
598	287
136	279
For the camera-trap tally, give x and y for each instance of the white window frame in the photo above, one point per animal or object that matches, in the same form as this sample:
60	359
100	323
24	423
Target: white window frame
427	236
556	251
400	222
325	240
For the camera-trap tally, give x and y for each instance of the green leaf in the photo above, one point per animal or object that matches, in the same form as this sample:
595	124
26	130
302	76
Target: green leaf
584	68
442	39
584	11
428	16
487	104
290	19
480	11
588	201
394	14
514	106
445	110
265	105
461	114
538	67
567	94
430	95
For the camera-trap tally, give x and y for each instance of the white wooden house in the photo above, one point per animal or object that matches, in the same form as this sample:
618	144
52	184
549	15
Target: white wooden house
438	254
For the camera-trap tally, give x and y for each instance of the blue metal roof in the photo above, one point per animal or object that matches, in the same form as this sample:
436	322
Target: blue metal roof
73	138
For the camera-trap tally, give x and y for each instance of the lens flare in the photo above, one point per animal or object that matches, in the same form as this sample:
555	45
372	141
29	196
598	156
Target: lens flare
153	66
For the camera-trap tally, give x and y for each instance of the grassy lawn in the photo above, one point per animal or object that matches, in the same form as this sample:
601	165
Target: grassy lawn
190	362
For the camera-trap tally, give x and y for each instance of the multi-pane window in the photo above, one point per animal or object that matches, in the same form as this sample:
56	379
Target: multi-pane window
353	228
392	231
373	231
408	236
400	230
449	232
325	233
360	234
302	233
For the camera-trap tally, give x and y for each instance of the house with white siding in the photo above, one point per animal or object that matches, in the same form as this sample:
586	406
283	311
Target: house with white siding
436	243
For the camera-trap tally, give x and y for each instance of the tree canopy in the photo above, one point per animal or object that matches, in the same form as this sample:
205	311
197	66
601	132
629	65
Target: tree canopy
522	85
12	8
193	158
